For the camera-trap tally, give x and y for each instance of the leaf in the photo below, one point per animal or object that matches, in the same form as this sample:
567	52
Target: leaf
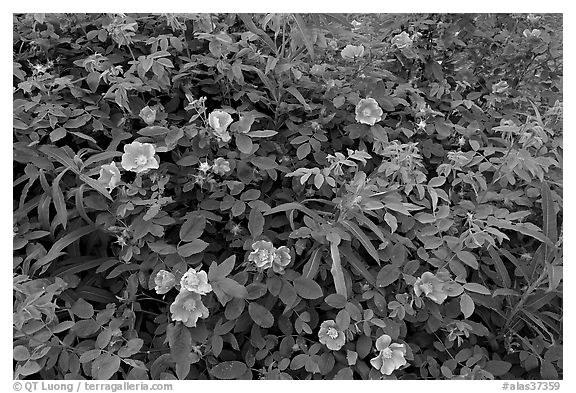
57	134
468	258
58	200
247	19
345	373
62	243
391	221
264	162
361	236
255	223
387	275
296	206
336	269
307	289
335	300
294	91
90	355
232	288
357	264
478	288
180	343
82	309
304	31
229	370
108	366
194	247
363	346
343	320
29	368
310	269
154	131
500	267
222	270
303	151
497	367
466	305
260	315
243	143
20	353
132	347
192	228
262	133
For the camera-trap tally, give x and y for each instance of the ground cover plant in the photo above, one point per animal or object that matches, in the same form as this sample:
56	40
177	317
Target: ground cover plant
287	196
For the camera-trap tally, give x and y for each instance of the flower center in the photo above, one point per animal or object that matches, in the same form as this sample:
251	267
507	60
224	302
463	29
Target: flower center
190	305
332	333
386	353
141	159
426	288
265	255
367	112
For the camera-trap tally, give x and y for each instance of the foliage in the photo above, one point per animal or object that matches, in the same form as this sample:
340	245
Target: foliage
287	196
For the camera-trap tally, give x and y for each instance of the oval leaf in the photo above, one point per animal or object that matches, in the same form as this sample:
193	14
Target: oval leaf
307	289
260	315
229	370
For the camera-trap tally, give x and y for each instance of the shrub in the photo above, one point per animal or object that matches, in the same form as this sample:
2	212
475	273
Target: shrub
287	196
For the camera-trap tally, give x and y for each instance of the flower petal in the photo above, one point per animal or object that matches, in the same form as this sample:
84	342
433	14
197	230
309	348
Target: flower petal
383	342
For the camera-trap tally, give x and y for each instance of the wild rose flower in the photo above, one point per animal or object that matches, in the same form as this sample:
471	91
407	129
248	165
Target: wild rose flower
281	259
402	40
352	52
139	157
331	335
499	87
535	33
368	111
390	357
197	282
148	115
266	256
164	281
219	121
263	254
109	176
187	308
431	286
221	166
